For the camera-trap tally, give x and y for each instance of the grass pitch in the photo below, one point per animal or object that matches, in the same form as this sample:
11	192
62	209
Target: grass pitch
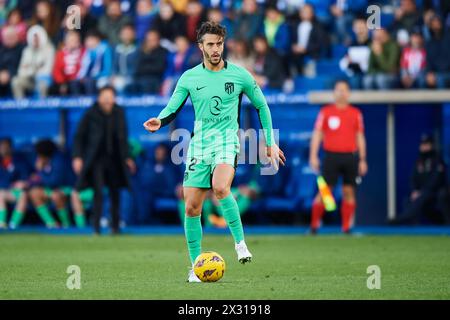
284	267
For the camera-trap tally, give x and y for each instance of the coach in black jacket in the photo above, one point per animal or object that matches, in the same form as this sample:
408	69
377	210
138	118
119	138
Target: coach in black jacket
101	154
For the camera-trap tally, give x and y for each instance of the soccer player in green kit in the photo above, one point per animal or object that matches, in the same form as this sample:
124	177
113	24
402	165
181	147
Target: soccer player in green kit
215	88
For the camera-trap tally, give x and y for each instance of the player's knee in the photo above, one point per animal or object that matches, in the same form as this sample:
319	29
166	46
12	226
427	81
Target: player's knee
317	199
221	190
36	194
2	195
193	209
58	198
348	194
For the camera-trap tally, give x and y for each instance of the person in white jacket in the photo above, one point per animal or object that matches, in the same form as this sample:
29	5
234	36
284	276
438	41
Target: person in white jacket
35	66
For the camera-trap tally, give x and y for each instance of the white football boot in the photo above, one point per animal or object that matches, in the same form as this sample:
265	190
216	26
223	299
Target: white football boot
244	255
192	277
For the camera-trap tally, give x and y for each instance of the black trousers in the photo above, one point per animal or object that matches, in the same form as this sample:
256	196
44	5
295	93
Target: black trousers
104	173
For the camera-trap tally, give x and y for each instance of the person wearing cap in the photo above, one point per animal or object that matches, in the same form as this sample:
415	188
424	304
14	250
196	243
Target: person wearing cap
429	188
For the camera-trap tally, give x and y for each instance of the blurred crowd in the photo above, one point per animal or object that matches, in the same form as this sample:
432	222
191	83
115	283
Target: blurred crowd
143	46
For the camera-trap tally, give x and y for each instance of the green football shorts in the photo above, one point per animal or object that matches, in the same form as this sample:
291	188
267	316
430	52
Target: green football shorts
198	173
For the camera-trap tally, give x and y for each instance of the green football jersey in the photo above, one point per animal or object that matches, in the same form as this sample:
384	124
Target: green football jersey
216	97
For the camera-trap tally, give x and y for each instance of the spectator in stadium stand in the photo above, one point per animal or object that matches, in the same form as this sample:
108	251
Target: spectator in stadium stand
355	63
10	52
36	64
124	60
26	7
169	24
413	61
179	6
67	64
46	15
441	7
344	13
426	23
16	22
6	6
217	16
277	33
152	61
13	175
341	128
101	155
309	38
241	55
407	16
96	65
195	15
248	21
112	22
143	19
428	200
268	68
383	62
48	182
186	57
437	74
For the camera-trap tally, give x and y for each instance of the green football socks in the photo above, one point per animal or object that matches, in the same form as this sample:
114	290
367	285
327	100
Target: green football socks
45	215
63	215
193	232
17	218
230	211
3	214
181	211
80	220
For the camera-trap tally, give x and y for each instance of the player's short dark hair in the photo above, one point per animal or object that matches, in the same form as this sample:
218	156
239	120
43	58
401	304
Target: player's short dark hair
45	148
211	28
107	88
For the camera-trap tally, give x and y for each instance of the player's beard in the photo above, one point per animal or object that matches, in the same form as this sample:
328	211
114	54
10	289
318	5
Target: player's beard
209	58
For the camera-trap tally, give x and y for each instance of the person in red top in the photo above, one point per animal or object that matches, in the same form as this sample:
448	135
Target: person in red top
67	63
340	126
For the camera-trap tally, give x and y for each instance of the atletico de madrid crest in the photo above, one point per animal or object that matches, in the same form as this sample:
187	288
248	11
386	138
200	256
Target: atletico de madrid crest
229	87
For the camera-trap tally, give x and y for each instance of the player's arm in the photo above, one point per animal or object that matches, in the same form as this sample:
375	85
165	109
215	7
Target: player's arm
314	147
316	140
361	145
254	93
176	102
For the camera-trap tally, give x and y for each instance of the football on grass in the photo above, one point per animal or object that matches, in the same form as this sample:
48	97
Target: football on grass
209	266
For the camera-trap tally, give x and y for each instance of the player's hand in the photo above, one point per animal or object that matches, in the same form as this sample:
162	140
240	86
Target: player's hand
362	168
314	163
77	165
131	165
276	155
152	124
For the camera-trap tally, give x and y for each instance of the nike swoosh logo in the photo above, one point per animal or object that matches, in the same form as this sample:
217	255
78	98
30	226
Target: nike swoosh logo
201	88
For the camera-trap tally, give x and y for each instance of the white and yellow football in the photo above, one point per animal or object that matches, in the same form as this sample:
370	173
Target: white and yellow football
209	266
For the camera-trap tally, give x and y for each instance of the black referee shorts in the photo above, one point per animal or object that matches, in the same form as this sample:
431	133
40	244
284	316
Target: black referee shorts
337	164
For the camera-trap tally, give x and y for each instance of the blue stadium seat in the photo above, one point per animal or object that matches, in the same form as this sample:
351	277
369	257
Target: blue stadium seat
329	67
320	82
338	51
